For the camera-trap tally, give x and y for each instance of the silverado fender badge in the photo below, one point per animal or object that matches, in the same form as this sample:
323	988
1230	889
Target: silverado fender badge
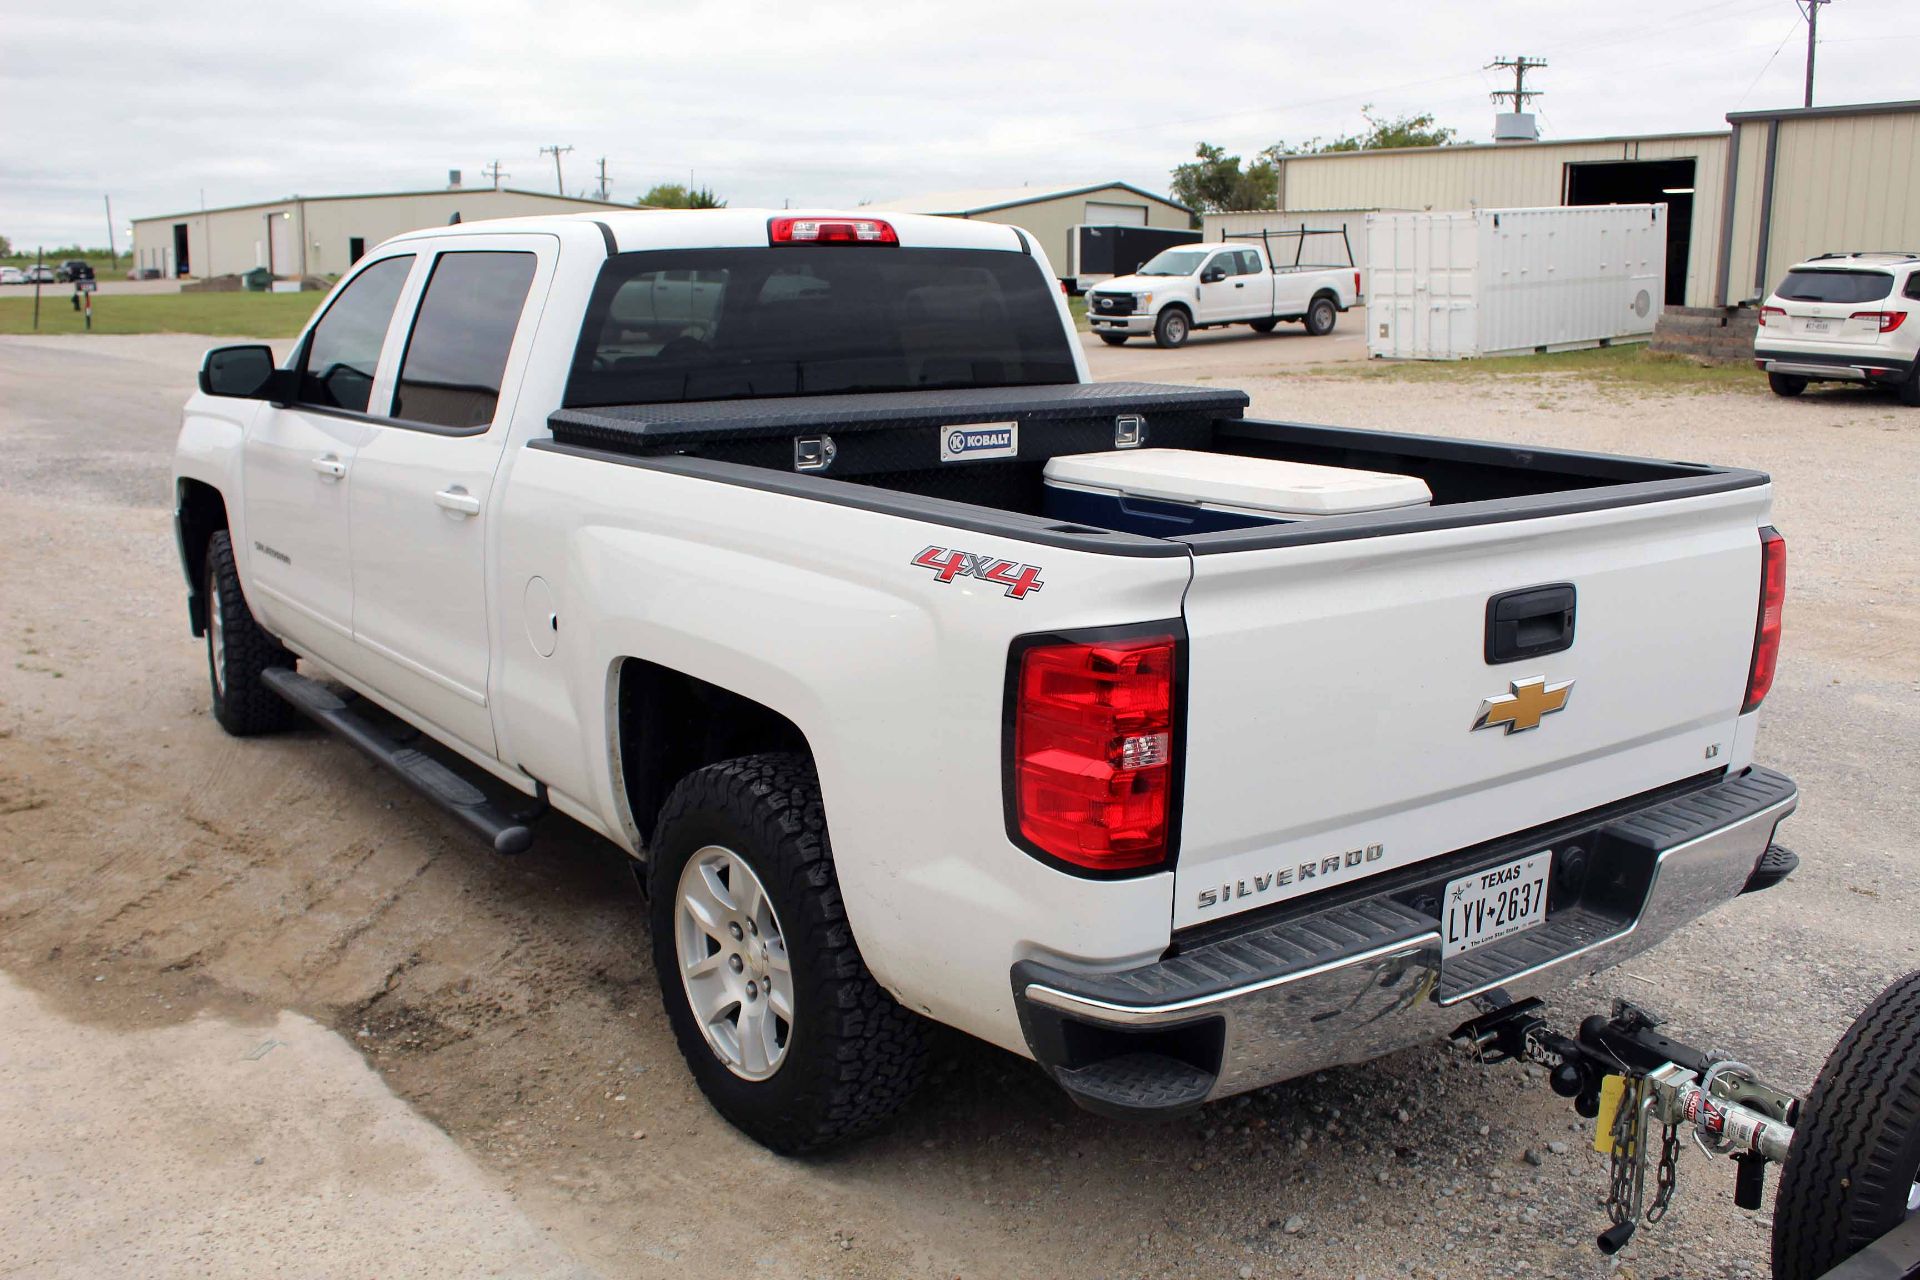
1521	709
1018	579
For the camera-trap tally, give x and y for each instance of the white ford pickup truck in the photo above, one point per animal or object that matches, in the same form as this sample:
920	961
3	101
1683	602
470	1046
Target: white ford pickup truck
734	536
1255	279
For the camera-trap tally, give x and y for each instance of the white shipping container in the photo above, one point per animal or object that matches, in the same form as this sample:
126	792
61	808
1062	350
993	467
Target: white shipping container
1450	286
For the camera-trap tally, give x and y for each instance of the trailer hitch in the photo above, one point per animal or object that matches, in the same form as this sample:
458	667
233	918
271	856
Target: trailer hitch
1634	1083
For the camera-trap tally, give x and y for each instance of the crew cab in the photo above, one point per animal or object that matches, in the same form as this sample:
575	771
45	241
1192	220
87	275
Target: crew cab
1843	317
726	535
1257	283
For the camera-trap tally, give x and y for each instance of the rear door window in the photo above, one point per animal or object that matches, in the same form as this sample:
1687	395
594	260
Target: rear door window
344	349
1913	285
1249	261
1835	286
457	353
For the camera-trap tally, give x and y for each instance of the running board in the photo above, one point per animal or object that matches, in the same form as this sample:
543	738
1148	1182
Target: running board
505	832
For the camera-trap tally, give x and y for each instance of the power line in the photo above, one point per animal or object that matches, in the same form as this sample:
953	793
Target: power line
495	172
603	177
1812	12
556	151
1520	94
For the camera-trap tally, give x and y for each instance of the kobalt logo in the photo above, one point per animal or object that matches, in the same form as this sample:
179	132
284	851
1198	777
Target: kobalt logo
980	440
1018	579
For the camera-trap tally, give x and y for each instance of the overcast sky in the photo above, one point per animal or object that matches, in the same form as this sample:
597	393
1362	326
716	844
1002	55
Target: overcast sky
830	103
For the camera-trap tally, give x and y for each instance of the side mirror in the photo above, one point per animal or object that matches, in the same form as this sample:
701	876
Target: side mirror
242	373
1213	275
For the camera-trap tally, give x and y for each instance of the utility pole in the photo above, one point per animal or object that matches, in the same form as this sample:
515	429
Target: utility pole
112	252
603	177
1519	66
556	151
495	172
1812	12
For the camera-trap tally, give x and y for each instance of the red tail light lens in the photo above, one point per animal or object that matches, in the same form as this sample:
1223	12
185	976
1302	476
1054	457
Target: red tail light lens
1887	320
1092	774
1356	285
1766	635
1772	311
830	231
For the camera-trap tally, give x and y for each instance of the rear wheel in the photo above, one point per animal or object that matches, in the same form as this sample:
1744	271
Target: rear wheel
784	1029
1786	384
239	651
1910	389
1263	326
1322	315
1114	339
1172	328
1854	1171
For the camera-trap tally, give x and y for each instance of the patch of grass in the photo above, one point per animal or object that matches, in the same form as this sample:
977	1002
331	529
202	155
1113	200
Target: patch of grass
1078	306
220	315
1623	366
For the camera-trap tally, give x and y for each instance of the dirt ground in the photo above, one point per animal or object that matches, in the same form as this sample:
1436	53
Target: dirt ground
171	899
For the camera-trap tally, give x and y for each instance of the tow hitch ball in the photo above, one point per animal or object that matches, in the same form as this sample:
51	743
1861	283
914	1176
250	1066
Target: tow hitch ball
1639	1086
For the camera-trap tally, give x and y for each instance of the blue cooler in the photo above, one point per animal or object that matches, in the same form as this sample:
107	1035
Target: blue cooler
1168	492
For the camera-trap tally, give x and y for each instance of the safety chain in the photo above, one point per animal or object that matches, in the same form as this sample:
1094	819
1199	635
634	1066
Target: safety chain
1626	1154
1664	1179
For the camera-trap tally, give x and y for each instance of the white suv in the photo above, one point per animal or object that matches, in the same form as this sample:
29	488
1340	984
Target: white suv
1843	317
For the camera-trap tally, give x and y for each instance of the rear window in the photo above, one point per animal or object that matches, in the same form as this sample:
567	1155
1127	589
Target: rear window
1835	286
721	324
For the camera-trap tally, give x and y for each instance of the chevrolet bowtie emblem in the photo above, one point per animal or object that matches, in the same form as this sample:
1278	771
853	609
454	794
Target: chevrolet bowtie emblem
1521	709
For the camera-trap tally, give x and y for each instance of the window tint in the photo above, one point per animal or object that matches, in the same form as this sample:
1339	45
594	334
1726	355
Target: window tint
457	352
1836	286
338	370
1249	262
718	324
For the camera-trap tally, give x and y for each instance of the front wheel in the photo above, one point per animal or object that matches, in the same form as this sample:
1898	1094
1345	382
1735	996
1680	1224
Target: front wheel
239	651
1263	326
1114	339
1322	315
1172	328
1786	384
783	1028
1853	1173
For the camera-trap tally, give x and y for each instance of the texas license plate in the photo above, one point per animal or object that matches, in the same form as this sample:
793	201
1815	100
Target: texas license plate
1493	904
1816	326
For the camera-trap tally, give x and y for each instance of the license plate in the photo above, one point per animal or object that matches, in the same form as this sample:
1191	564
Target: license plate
1816	326
1493	904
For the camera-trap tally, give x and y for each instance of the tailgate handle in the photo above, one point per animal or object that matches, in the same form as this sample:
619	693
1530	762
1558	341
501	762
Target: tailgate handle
1530	622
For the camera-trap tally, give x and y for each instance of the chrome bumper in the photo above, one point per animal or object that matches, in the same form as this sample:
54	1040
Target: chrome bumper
1354	982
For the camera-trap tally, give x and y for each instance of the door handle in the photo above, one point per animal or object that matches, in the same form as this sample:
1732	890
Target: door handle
458	500
330	466
1241	285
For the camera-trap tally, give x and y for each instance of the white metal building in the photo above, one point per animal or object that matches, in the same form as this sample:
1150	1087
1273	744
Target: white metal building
321	235
1049	215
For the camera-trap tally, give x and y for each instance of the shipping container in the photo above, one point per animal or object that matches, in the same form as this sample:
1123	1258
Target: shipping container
1451	286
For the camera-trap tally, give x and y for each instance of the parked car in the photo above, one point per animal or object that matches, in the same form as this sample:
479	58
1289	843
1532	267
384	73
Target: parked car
12	275
732	536
1843	317
73	269
1258	282
41	274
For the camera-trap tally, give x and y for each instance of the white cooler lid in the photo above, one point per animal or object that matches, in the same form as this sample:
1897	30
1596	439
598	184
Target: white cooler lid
1251	484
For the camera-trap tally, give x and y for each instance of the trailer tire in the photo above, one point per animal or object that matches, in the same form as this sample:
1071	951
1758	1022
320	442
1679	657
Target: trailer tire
1114	339
1322	315
851	1056
1172	328
1853	1173
1786	384
239	651
1264	326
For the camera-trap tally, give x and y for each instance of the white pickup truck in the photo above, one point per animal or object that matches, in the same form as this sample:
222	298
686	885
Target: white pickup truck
726	535
1256	279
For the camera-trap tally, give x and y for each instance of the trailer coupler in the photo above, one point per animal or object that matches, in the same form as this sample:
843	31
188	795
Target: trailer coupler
1635	1083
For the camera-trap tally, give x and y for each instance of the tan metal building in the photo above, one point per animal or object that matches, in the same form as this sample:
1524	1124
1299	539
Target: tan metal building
321	235
1050	215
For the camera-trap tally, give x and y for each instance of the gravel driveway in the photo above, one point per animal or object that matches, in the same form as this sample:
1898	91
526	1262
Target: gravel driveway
157	876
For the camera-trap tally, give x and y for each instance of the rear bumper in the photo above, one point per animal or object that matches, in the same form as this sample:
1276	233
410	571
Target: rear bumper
1863	366
1346	983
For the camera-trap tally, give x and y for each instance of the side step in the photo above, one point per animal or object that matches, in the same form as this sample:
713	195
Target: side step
1136	1083
506	832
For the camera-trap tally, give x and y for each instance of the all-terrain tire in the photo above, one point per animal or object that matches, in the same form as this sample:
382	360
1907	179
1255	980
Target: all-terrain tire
1322	315
1114	339
1786	384
853	1056
1172	328
239	651
1263	326
1856	1151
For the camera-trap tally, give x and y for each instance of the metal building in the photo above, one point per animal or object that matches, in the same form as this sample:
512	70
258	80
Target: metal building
1740	207
321	235
1049	215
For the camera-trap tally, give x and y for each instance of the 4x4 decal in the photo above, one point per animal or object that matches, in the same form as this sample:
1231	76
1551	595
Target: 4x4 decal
1018	579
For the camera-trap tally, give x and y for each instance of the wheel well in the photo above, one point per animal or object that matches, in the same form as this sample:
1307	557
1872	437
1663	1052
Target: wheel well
202	512
1181	307
1328	294
672	723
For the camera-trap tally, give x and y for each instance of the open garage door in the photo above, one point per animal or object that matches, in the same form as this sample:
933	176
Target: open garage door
1668	182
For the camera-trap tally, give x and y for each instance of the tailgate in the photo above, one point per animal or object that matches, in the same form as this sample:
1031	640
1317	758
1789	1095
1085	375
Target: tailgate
1333	690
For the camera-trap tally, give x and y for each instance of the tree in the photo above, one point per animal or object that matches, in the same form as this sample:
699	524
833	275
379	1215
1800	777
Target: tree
1214	182
1380	135
671	195
6	247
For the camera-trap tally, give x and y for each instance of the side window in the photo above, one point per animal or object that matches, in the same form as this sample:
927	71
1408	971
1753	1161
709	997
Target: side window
1249	262
450	374
1225	262
338	370
1913	285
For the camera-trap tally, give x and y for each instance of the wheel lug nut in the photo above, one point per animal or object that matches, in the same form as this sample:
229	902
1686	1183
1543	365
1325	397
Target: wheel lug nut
753	928
734	929
734	963
752	991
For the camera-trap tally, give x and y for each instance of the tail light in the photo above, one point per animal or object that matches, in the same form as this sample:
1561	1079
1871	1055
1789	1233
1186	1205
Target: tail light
1766	633
1887	320
1356	285
1772	311
1091	778
830	231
